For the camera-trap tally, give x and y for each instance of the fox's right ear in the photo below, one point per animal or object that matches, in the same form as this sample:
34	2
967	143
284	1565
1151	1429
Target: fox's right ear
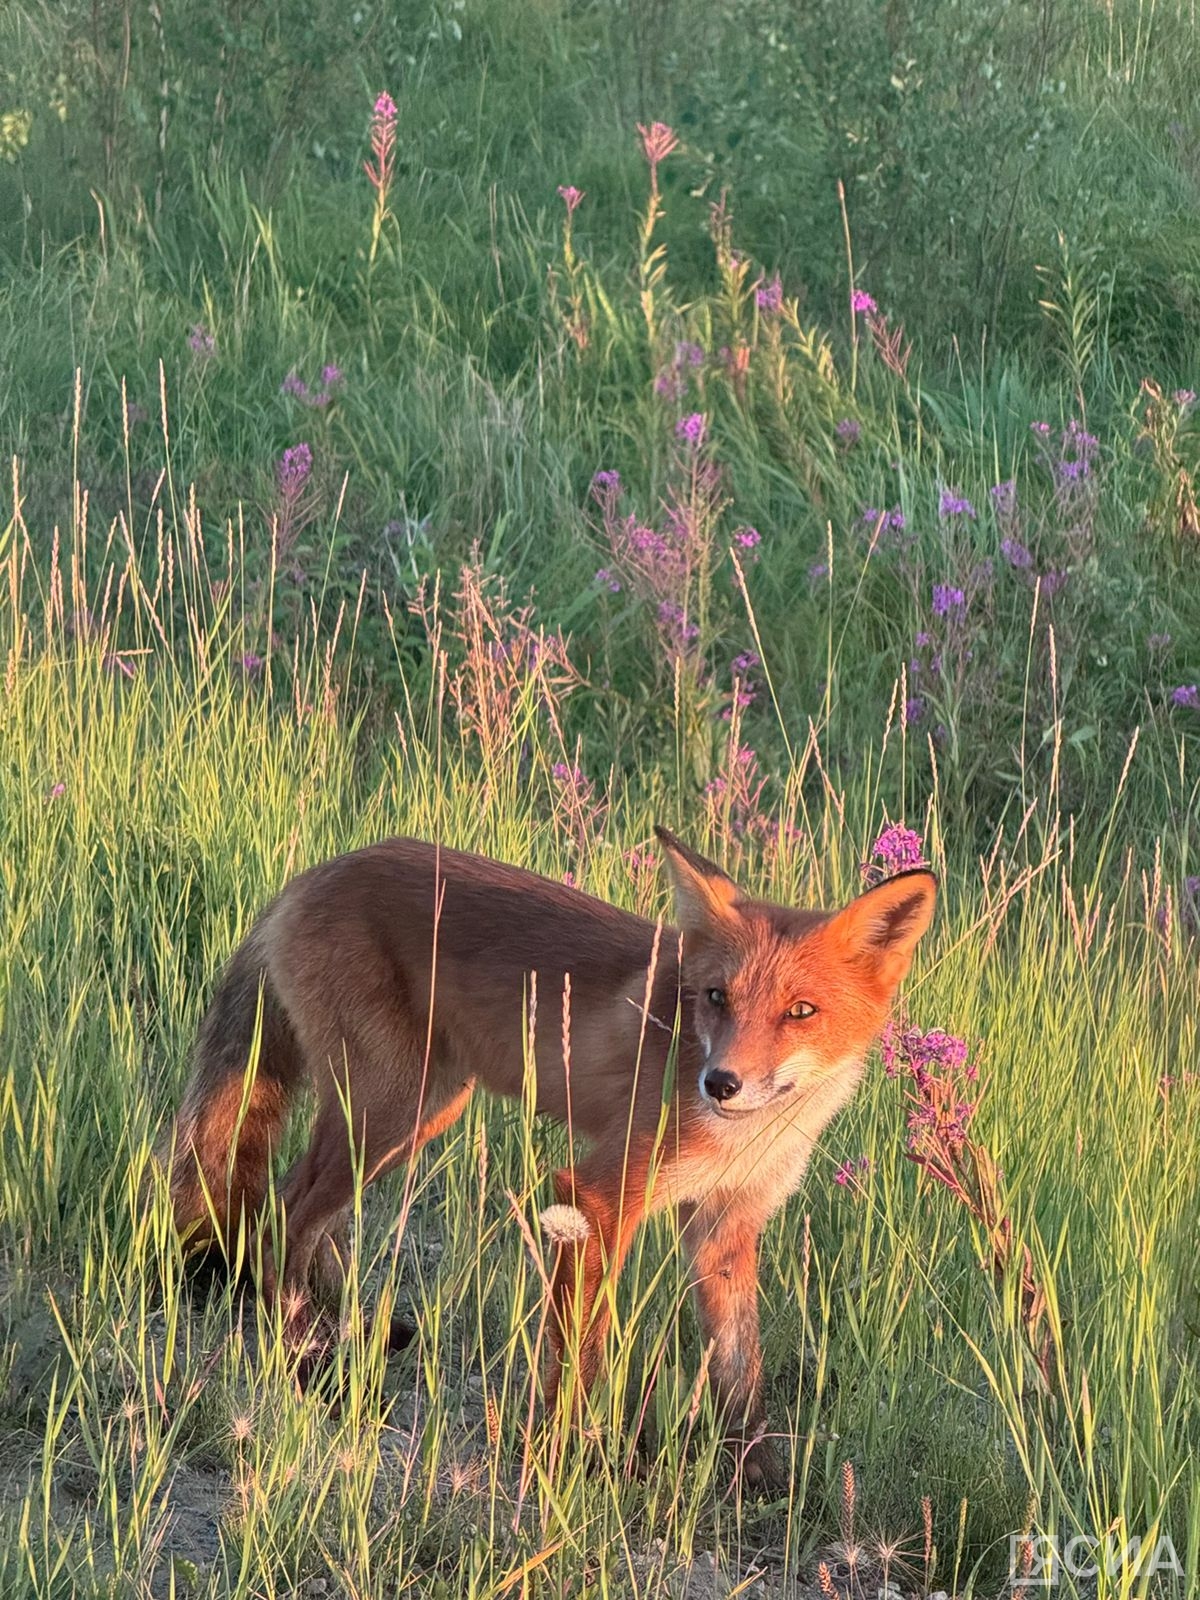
883	925
704	895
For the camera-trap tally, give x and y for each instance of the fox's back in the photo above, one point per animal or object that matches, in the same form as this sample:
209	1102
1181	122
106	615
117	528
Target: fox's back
458	935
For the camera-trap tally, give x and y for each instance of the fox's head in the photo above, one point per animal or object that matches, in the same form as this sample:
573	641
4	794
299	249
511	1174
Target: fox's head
780	999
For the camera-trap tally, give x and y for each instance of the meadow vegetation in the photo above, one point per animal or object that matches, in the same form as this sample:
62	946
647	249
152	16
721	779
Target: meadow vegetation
519	423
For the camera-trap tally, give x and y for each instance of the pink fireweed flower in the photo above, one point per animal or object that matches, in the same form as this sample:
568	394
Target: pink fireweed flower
57	791
898	849
860	300
658	142
768	295
691	429
747	538
570	197
851	1171
292	470
380	171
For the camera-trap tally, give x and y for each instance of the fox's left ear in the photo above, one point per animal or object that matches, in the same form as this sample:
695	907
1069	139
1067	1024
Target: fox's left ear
704	895
882	926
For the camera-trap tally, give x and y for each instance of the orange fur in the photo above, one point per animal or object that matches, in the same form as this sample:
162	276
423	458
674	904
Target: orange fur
395	978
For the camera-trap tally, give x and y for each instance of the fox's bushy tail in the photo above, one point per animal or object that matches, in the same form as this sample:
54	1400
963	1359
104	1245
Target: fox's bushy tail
218	1152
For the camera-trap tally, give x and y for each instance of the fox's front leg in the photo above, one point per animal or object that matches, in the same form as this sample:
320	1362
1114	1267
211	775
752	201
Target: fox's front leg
579	1311
723	1245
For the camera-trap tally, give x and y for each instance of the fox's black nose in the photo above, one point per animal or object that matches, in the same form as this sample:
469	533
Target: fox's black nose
722	1085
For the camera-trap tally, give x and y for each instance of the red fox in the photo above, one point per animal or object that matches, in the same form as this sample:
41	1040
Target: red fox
397	977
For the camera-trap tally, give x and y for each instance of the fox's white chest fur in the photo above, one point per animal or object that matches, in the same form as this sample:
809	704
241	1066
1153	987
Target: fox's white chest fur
756	1160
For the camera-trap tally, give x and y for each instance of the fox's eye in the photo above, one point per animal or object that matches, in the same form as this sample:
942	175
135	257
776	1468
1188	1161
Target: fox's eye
716	997
800	1012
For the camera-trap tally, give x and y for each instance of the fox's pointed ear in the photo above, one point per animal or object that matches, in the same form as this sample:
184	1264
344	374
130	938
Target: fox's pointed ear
881	927
704	895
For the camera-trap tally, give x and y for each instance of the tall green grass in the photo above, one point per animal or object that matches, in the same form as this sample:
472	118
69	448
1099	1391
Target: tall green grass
156	793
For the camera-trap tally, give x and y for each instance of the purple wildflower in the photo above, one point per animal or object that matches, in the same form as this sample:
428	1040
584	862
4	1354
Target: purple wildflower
1004	497
1185	399
673	619
331	376
202	343
914	710
1186	695
946	599
849	431
292	470
251	664
748	538
606	481
57	791
768	295
1052	582
899	849
606	579
570	197
1015	553
1042	429
688	353
746	662
953	504
851	1170
818	572
293	384
860	300
691	429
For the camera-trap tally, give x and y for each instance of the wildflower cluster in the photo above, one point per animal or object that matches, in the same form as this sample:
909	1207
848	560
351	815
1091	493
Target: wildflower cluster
897	849
318	396
675	377
668	566
1070	457
381	170
734	802
292	473
939	1080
